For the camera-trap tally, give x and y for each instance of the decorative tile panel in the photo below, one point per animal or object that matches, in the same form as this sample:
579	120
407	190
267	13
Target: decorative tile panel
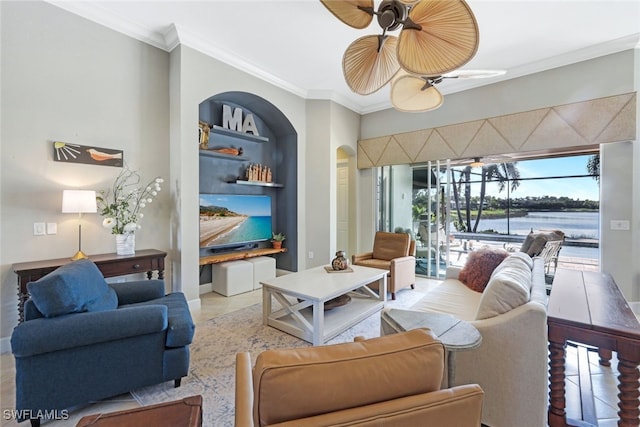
602	120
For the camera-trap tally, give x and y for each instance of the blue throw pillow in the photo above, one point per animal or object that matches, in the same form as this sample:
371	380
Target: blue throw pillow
74	287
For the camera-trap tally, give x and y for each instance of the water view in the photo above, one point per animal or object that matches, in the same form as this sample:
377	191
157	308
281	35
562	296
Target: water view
575	225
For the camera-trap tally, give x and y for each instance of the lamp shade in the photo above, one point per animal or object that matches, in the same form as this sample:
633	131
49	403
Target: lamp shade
79	201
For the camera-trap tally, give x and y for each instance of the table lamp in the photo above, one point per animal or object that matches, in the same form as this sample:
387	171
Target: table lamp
79	201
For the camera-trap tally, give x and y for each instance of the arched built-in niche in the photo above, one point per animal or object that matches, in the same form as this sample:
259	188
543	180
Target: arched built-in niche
276	148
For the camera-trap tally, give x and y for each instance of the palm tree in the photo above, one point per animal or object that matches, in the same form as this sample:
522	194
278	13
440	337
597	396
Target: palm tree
503	173
464	178
593	167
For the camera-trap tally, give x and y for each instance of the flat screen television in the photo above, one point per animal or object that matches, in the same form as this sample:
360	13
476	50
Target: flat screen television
234	220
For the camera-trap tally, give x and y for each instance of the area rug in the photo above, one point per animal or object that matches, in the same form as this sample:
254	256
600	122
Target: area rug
213	352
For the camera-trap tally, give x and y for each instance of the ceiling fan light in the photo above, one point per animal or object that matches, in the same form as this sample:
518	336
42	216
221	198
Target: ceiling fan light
367	66
448	37
351	11
409	95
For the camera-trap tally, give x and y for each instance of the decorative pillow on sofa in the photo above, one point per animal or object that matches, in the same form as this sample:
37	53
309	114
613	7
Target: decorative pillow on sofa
508	288
479	267
74	287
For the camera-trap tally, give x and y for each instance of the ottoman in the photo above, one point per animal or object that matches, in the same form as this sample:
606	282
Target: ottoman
232	277
263	268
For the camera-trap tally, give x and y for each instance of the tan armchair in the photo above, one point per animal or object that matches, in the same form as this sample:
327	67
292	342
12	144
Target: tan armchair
392	381
394	252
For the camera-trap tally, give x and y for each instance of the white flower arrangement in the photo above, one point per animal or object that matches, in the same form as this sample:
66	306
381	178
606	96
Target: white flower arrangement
121	204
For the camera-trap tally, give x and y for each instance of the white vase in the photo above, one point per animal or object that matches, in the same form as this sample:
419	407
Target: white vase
126	244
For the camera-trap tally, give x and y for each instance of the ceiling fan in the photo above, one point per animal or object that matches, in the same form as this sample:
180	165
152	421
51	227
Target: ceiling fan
436	38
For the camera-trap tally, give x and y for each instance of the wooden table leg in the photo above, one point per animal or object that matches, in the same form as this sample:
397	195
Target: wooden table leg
629	401
605	356
557	403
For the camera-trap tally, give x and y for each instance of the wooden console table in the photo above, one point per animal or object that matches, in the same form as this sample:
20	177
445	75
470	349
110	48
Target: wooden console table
110	265
588	308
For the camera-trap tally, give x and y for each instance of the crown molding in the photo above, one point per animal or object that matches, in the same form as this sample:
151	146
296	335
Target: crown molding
94	12
232	59
174	36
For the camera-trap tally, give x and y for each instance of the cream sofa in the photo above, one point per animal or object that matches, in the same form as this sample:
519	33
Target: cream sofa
511	363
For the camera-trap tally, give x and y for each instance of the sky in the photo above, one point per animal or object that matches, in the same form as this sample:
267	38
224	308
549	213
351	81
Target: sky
243	204
575	188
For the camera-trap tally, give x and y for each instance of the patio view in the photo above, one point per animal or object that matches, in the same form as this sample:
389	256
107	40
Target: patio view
458	208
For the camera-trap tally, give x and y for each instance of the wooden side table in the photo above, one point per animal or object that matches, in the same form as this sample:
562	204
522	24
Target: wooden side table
455	334
111	265
588	308
180	413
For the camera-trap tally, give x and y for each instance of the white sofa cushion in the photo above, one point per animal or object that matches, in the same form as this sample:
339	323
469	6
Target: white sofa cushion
450	297
508	288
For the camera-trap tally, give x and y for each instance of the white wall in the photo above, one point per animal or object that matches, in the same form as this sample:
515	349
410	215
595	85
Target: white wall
68	79
318	203
616	166
330	126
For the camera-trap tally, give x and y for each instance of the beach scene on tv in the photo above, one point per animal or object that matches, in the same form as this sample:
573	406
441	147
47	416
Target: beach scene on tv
229	219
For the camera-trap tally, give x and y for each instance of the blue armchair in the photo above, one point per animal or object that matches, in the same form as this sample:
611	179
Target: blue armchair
85	340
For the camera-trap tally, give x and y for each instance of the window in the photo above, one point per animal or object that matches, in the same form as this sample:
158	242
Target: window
458	208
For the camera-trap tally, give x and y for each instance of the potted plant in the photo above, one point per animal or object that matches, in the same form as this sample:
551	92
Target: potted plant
277	239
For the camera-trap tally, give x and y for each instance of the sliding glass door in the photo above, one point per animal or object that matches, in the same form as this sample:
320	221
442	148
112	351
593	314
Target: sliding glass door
454	209
415	200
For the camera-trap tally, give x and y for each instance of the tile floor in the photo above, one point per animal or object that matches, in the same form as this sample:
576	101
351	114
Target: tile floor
603	379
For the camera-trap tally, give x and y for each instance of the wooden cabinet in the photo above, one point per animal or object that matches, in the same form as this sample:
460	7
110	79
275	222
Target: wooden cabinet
111	265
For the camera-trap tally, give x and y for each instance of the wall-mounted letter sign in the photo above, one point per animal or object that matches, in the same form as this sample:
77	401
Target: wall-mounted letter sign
234	120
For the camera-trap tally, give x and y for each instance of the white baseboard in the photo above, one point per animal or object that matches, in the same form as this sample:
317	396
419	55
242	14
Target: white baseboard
5	345
194	304
206	288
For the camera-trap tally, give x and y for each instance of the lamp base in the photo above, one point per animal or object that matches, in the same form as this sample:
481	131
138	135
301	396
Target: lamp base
79	255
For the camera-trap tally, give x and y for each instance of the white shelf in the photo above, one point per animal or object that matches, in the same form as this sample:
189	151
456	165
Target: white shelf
210	153
219	130
257	183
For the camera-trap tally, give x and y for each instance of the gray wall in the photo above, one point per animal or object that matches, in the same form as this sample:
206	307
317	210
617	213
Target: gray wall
68	79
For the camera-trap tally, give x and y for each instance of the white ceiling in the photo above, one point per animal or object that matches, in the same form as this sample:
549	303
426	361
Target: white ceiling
298	44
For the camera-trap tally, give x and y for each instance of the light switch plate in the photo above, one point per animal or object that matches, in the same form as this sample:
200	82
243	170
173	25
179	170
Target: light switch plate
38	229
52	228
619	224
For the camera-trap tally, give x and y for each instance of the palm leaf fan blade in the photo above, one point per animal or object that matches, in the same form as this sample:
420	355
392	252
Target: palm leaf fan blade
366	67
447	40
408	93
350	12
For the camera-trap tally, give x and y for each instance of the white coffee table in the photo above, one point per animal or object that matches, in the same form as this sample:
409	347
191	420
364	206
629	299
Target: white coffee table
302	296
